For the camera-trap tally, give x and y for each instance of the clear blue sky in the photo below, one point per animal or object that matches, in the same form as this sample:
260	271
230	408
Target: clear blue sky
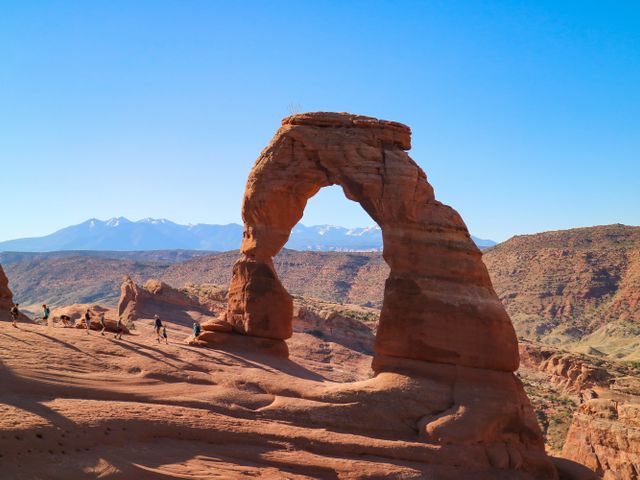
525	115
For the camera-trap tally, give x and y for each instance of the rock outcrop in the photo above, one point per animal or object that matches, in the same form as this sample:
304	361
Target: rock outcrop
439	304
171	304
351	326
570	371
442	328
6	300
76	313
605	436
6	297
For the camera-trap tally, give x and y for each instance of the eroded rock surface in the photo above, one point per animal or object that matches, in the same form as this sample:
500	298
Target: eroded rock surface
605	436
439	304
443	336
6	297
171	304
570	371
6	300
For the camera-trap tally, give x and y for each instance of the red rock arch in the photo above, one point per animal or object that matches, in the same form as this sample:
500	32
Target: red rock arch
439	304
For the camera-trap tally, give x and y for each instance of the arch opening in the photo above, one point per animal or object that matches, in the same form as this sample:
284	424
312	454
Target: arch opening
439	305
332	310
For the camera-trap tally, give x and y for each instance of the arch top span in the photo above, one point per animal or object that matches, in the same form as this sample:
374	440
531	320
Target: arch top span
439	304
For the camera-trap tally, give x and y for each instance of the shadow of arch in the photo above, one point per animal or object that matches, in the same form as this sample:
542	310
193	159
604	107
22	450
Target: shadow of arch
439	304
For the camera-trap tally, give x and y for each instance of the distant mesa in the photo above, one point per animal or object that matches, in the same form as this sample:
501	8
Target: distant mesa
121	234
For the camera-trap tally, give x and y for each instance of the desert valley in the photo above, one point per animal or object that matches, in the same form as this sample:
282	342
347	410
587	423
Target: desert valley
345	239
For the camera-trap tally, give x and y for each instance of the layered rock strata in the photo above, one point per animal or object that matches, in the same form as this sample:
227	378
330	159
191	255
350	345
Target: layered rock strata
439	304
6	297
605	436
441	325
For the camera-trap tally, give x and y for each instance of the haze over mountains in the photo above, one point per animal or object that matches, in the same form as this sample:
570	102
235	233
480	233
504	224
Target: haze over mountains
121	234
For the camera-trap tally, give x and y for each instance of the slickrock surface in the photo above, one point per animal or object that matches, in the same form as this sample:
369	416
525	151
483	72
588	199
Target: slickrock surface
77	406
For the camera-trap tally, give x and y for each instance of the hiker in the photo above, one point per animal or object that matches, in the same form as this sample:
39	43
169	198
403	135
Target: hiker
119	329
158	327
45	313
196	329
103	324
66	321
164	335
87	320
15	313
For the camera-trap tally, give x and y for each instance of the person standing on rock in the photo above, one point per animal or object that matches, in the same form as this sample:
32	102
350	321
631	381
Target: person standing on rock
119	329
87	320
158	327
45	313
164	334
196	329
15	313
102	324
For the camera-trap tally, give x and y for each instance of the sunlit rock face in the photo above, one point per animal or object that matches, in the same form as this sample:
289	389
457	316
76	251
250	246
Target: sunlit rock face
6	297
439	304
442	328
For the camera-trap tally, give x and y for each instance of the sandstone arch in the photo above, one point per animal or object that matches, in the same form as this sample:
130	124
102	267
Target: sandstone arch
439	304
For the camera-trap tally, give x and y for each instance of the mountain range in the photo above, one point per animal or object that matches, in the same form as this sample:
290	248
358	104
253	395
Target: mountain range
578	288
121	234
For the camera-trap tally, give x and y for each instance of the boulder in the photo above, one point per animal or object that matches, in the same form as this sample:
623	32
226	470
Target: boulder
217	325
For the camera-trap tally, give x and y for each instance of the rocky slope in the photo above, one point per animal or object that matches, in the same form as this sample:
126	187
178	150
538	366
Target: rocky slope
576	287
605	436
60	279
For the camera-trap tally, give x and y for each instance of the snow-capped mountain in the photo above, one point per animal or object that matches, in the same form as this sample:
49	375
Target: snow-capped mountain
121	234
